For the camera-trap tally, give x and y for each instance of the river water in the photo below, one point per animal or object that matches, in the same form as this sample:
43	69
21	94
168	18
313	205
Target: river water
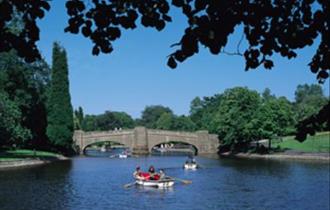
97	183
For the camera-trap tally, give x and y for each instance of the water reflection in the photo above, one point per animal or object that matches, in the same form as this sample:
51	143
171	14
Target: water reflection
152	191
97	183
106	153
40	187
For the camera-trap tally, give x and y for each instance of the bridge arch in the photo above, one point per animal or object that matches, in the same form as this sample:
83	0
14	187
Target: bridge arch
103	141
185	149
84	139
157	137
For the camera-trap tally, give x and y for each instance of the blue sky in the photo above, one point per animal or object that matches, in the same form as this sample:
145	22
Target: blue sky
135	74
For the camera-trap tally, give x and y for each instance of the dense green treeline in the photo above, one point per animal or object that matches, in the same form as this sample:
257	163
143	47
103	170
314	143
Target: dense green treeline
36	110
107	121
154	117
238	115
23	93
159	117
35	106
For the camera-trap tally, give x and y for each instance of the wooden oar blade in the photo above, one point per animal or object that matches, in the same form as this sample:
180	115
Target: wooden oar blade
129	185
186	181
182	180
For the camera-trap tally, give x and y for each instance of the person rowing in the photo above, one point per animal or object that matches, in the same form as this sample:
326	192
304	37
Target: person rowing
139	175
153	174
150	175
190	160
153	179
161	174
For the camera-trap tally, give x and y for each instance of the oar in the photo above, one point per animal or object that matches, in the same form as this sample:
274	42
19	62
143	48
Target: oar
200	166
129	185
182	180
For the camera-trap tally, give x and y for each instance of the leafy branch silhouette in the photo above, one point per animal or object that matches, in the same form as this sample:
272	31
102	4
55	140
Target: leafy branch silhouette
270	27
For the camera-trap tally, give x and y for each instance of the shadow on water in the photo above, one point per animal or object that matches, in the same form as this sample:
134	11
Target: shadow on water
28	188
108	153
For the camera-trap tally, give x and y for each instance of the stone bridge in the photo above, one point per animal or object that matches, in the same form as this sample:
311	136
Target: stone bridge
141	140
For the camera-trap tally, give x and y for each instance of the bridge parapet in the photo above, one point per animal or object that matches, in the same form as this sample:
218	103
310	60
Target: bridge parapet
166	132
103	133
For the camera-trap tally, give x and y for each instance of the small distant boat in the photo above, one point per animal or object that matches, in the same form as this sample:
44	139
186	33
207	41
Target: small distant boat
161	150
163	183
122	155
125	154
103	149
190	166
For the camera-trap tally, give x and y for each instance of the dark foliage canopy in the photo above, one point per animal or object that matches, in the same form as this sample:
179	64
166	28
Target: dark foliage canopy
151	114
312	123
270	26
109	120
23	100
23	40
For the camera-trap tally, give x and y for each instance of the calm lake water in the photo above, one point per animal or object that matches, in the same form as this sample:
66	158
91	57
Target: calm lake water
97	183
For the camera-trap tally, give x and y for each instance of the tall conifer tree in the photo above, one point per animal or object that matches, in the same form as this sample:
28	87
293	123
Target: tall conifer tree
60	112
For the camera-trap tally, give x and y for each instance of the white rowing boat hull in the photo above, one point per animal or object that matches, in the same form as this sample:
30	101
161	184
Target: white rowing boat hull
156	183
122	156
190	166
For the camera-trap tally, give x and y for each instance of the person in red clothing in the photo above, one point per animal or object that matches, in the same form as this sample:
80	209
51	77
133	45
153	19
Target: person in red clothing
151	169
138	174
145	176
153	174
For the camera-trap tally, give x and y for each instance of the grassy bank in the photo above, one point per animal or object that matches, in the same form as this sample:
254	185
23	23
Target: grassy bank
318	143
21	154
